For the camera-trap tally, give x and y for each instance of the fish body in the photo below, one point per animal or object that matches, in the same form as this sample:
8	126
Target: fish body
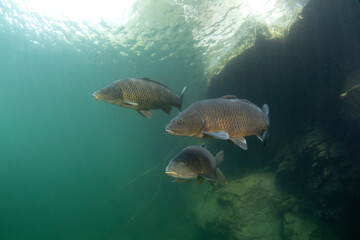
196	162
356	87
226	118
141	94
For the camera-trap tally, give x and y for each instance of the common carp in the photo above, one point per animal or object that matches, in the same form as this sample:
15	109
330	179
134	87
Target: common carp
226	118
196	162
141	94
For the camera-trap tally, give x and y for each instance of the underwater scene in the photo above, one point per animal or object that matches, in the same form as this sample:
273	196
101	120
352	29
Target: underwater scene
180	119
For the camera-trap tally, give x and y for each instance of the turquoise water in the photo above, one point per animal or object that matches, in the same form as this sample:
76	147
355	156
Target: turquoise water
75	168
68	162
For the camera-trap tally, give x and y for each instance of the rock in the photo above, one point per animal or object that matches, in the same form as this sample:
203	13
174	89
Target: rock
322	147
337	150
288	204
297	227
289	218
323	154
245	208
324	175
317	165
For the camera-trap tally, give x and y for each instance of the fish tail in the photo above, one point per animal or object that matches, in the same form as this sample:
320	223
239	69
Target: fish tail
181	98
265	135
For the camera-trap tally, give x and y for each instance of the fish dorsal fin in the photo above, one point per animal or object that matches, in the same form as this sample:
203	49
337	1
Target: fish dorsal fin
219	157
228	97
202	145
153	81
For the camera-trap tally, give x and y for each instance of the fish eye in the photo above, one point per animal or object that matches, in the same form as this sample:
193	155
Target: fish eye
180	120
183	163
105	90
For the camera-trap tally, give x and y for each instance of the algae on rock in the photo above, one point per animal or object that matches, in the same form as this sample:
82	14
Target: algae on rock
245	208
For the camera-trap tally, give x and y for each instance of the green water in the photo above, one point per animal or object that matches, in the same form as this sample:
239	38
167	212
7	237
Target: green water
75	168
69	165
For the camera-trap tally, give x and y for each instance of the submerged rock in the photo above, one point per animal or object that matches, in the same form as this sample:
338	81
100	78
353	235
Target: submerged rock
315	164
245	208
321	172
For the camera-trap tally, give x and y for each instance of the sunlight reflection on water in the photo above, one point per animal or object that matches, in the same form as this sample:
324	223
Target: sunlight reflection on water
217	30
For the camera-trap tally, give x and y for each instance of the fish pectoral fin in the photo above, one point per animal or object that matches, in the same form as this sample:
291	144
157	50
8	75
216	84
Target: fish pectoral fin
218	135
208	176
181	180
241	142
167	109
199	180
145	113
211	180
133	104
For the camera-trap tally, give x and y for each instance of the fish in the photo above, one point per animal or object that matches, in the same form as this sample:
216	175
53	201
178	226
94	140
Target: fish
356	87
141	94
226	118
196	162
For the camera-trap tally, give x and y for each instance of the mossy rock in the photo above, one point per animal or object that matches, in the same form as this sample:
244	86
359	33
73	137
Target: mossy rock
245	208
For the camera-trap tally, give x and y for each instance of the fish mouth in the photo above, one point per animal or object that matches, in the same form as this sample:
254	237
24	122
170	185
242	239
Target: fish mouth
171	173
97	97
170	131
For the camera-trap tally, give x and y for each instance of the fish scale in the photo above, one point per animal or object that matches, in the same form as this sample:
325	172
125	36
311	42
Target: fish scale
235	122
195	162
226	118
141	94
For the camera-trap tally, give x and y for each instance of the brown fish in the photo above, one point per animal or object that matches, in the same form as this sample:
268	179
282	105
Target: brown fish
141	94
226	118
196	162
